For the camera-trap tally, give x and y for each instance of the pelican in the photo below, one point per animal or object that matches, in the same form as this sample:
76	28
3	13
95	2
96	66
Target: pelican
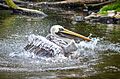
60	41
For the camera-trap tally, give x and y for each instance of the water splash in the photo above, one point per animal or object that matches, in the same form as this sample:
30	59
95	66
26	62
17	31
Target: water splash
86	55
90	45
86	49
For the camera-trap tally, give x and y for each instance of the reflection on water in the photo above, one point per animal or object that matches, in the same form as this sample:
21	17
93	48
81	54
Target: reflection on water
96	59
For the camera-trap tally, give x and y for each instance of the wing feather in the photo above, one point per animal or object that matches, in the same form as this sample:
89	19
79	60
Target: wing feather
38	44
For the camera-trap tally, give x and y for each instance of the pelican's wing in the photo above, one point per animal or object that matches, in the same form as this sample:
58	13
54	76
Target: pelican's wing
68	48
57	41
40	45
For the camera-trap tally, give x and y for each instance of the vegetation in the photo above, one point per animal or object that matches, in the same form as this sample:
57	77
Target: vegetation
114	6
11	4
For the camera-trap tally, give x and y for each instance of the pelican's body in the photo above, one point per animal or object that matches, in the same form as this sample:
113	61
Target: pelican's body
53	44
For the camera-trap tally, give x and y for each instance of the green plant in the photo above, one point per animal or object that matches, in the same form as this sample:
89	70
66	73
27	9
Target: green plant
114	6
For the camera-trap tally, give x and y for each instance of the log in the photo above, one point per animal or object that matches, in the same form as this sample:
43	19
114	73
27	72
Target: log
101	4
74	3
60	4
85	1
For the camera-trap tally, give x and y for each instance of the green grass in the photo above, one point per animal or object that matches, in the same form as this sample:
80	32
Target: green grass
115	6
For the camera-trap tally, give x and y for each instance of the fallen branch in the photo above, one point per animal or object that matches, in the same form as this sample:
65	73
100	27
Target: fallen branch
16	8
58	3
100	4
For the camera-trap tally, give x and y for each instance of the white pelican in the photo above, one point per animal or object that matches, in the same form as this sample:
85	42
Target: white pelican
55	43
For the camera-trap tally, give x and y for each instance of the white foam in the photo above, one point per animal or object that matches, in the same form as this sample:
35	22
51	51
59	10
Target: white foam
86	55
90	45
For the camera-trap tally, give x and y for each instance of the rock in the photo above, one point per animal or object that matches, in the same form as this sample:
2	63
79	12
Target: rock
111	18
117	15
104	20
78	18
111	13
92	15
107	20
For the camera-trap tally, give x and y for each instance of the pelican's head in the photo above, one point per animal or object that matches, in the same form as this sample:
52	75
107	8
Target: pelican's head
58	31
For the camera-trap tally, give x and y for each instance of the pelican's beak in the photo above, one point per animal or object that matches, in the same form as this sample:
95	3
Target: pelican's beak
75	34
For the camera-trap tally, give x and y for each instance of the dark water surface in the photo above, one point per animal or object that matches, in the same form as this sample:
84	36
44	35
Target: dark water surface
99	61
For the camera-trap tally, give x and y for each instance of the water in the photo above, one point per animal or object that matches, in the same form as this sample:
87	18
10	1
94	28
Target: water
98	59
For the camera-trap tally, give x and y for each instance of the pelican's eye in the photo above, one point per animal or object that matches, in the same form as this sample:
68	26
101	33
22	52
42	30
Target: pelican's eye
61	29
